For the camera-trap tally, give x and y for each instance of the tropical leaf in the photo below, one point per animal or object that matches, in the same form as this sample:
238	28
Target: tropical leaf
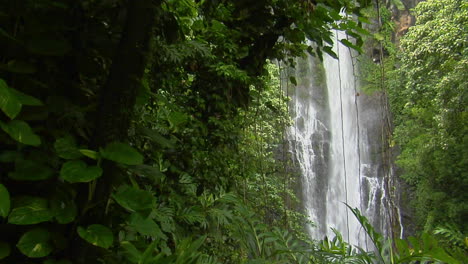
89	153
77	171
25	99
146	226
131	252
9	104
21	132
122	153
63	207
30	210
133	199
97	235
36	243
66	148
4	201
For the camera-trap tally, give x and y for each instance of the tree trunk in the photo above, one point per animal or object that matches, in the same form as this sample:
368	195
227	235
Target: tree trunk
115	110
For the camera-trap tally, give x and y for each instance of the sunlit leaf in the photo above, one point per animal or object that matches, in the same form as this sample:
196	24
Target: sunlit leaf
349	44
29	211
133	199
145	226
131	252
66	148
21	132
63	207
97	235
25	99
9	104
77	171
89	153
35	243
329	51
122	153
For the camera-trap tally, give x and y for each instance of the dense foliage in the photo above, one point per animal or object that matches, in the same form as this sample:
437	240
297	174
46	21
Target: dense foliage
426	80
145	131
430	107
148	131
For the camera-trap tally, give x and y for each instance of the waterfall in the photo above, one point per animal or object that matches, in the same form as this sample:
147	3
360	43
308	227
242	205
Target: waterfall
336	143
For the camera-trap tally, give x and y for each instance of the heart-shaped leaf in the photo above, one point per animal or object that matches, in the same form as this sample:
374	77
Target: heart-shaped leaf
89	153
146	226
133	199
36	243
66	148
25	99
131	252
97	235
21	132
30	210
63	207
9	104
77	171
122	153
4	201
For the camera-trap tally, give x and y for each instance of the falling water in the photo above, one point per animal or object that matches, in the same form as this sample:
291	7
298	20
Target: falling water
336	141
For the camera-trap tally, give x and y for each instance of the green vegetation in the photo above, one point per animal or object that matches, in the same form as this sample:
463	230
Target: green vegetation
426	81
430	111
146	131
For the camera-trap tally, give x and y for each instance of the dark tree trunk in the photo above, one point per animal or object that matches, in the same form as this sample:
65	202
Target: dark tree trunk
118	96
115	111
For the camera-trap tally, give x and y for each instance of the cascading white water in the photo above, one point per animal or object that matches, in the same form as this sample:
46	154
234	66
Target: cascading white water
335	141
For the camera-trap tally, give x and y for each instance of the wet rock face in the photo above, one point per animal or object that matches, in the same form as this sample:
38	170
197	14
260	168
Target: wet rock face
403	18
404	22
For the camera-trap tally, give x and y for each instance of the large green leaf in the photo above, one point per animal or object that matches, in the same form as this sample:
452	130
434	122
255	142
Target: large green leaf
145	226
25	99
4	201
153	173
30	170
66	148
97	235
21	132
89	153
63	207
131	252
9	104
30	210
77	171
122	153
133	199
4	250
36	243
